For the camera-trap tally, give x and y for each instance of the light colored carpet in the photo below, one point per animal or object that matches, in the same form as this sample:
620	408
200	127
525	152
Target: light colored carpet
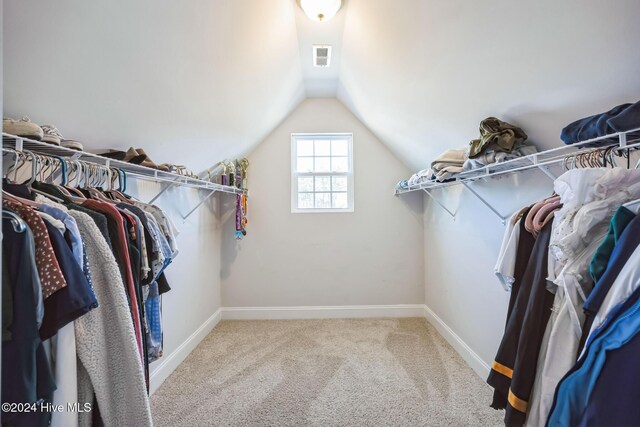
356	372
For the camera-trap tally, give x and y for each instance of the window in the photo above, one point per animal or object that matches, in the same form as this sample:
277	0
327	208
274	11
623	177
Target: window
322	172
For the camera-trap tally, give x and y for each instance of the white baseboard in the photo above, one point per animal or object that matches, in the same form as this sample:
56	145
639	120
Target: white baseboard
329	312
469	356
169	363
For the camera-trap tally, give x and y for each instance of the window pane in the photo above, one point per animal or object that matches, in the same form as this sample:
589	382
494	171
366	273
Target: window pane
340	201
305	183
305	200
323	164
323	147
305	164
305	147
323	183
339	183
339	147
339	164
323	200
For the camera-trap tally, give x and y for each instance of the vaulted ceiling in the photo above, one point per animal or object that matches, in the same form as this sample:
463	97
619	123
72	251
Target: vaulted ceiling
200	80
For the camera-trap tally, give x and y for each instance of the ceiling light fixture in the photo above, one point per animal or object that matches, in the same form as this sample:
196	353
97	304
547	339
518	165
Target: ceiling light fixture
320	10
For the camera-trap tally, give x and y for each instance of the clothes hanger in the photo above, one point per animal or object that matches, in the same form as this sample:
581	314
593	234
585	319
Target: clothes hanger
12	167
34	167
63	178
74	174
19	226
34	173
96	183
116	195
71	188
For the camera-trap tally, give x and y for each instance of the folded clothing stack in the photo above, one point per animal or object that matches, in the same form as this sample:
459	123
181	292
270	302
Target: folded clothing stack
491	156
448	164
499	141
622	118
416	178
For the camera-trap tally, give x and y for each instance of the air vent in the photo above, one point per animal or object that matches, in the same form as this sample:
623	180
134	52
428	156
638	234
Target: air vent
321	56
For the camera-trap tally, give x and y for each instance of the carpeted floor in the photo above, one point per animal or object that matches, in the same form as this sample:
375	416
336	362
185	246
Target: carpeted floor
357	372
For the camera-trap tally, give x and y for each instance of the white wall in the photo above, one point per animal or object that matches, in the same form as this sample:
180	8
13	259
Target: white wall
460	254
194	276
373	256
441	66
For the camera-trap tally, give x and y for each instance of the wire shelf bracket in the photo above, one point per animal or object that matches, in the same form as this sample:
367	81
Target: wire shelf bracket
161	192
204	199
543	168
503	219
453	215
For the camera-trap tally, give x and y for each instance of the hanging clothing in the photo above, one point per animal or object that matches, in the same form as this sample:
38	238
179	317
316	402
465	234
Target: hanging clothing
586	213
95	300
614	398
505	266
71	302
116	375
575	389
536	315
26	374
600	260
121	243
624	248
626	282
503	366
49	272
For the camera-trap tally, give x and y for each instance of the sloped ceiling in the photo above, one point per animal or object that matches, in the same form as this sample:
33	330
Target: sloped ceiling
200	80
422	74
190	81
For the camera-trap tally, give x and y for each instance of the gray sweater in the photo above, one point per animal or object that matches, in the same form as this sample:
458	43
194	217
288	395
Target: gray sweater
109	362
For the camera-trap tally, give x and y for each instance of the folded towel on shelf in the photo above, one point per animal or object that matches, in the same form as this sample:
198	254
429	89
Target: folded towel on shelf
448	164
454	157
622	118
496	135
447	173
491	156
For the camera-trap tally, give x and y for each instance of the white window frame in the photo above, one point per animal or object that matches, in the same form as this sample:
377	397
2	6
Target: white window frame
295	174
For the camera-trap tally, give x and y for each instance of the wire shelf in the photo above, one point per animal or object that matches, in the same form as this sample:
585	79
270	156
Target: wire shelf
137	171
542	159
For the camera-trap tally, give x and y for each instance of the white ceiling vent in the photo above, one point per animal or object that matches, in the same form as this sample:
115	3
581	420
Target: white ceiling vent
321	56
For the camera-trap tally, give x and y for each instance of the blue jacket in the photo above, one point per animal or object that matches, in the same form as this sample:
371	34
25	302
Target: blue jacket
575	390
616	393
